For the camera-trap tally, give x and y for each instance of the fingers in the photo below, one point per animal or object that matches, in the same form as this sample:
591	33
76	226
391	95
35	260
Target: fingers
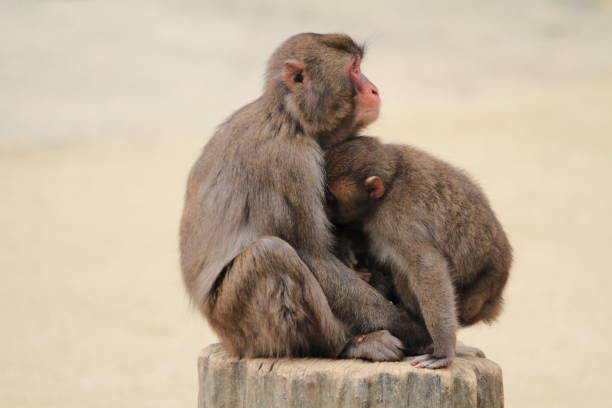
376	346
429	361
435	363
365	275
396	342
418	359
382	346
384	353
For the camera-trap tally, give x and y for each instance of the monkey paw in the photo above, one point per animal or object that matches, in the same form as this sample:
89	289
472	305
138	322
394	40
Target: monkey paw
430	361
364	275
376	346
465	350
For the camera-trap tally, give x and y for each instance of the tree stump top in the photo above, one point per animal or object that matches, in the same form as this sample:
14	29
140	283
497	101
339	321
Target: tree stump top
322	383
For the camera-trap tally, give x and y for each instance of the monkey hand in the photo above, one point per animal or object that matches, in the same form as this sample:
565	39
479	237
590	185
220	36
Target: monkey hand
375	346
364	274
431	361
434	359
347	255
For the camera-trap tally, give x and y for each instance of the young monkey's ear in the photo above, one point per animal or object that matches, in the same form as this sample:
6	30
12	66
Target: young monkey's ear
294	75
374	187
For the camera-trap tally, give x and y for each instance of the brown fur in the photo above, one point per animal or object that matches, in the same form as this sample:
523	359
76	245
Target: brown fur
433	228
255	240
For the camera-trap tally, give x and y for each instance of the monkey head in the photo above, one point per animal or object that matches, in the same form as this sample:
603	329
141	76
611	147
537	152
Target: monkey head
348	201
357	171
317	78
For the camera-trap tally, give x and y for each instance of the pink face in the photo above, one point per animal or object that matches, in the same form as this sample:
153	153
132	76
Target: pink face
368	99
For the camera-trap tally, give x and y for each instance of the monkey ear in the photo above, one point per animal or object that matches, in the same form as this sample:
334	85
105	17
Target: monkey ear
294	75
374	187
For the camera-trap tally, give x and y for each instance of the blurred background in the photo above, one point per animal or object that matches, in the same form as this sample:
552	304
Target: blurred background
105	105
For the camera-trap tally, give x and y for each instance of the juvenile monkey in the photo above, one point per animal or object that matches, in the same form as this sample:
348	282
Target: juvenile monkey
255	242
431	226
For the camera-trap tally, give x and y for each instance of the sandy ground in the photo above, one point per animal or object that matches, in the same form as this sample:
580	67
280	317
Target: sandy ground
105	105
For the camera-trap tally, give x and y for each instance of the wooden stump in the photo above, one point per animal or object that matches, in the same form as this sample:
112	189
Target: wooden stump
227	382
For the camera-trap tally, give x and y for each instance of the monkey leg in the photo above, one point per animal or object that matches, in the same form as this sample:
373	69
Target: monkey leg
482	299
269	304
424	277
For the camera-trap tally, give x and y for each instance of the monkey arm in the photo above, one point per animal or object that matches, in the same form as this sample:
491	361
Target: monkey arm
363	308
422	271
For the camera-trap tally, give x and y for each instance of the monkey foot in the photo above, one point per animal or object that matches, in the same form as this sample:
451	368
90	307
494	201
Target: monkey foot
430	361
376	346
465	350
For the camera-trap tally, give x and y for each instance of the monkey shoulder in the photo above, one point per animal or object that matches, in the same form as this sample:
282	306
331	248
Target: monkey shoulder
436	180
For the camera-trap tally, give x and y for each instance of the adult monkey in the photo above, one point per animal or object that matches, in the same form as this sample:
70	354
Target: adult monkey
255	241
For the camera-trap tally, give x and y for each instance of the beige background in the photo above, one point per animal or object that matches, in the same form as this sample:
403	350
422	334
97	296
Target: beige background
105	105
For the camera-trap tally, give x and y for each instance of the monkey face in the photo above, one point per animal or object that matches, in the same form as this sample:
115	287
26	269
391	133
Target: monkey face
368	98
347	201
344	204
355	170
327	91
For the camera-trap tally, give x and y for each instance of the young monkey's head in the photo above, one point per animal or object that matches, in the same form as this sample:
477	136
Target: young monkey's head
357	171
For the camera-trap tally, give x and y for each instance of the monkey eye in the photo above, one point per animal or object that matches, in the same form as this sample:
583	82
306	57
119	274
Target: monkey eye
298	78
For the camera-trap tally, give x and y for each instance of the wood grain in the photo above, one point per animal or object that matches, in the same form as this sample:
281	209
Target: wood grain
227	382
